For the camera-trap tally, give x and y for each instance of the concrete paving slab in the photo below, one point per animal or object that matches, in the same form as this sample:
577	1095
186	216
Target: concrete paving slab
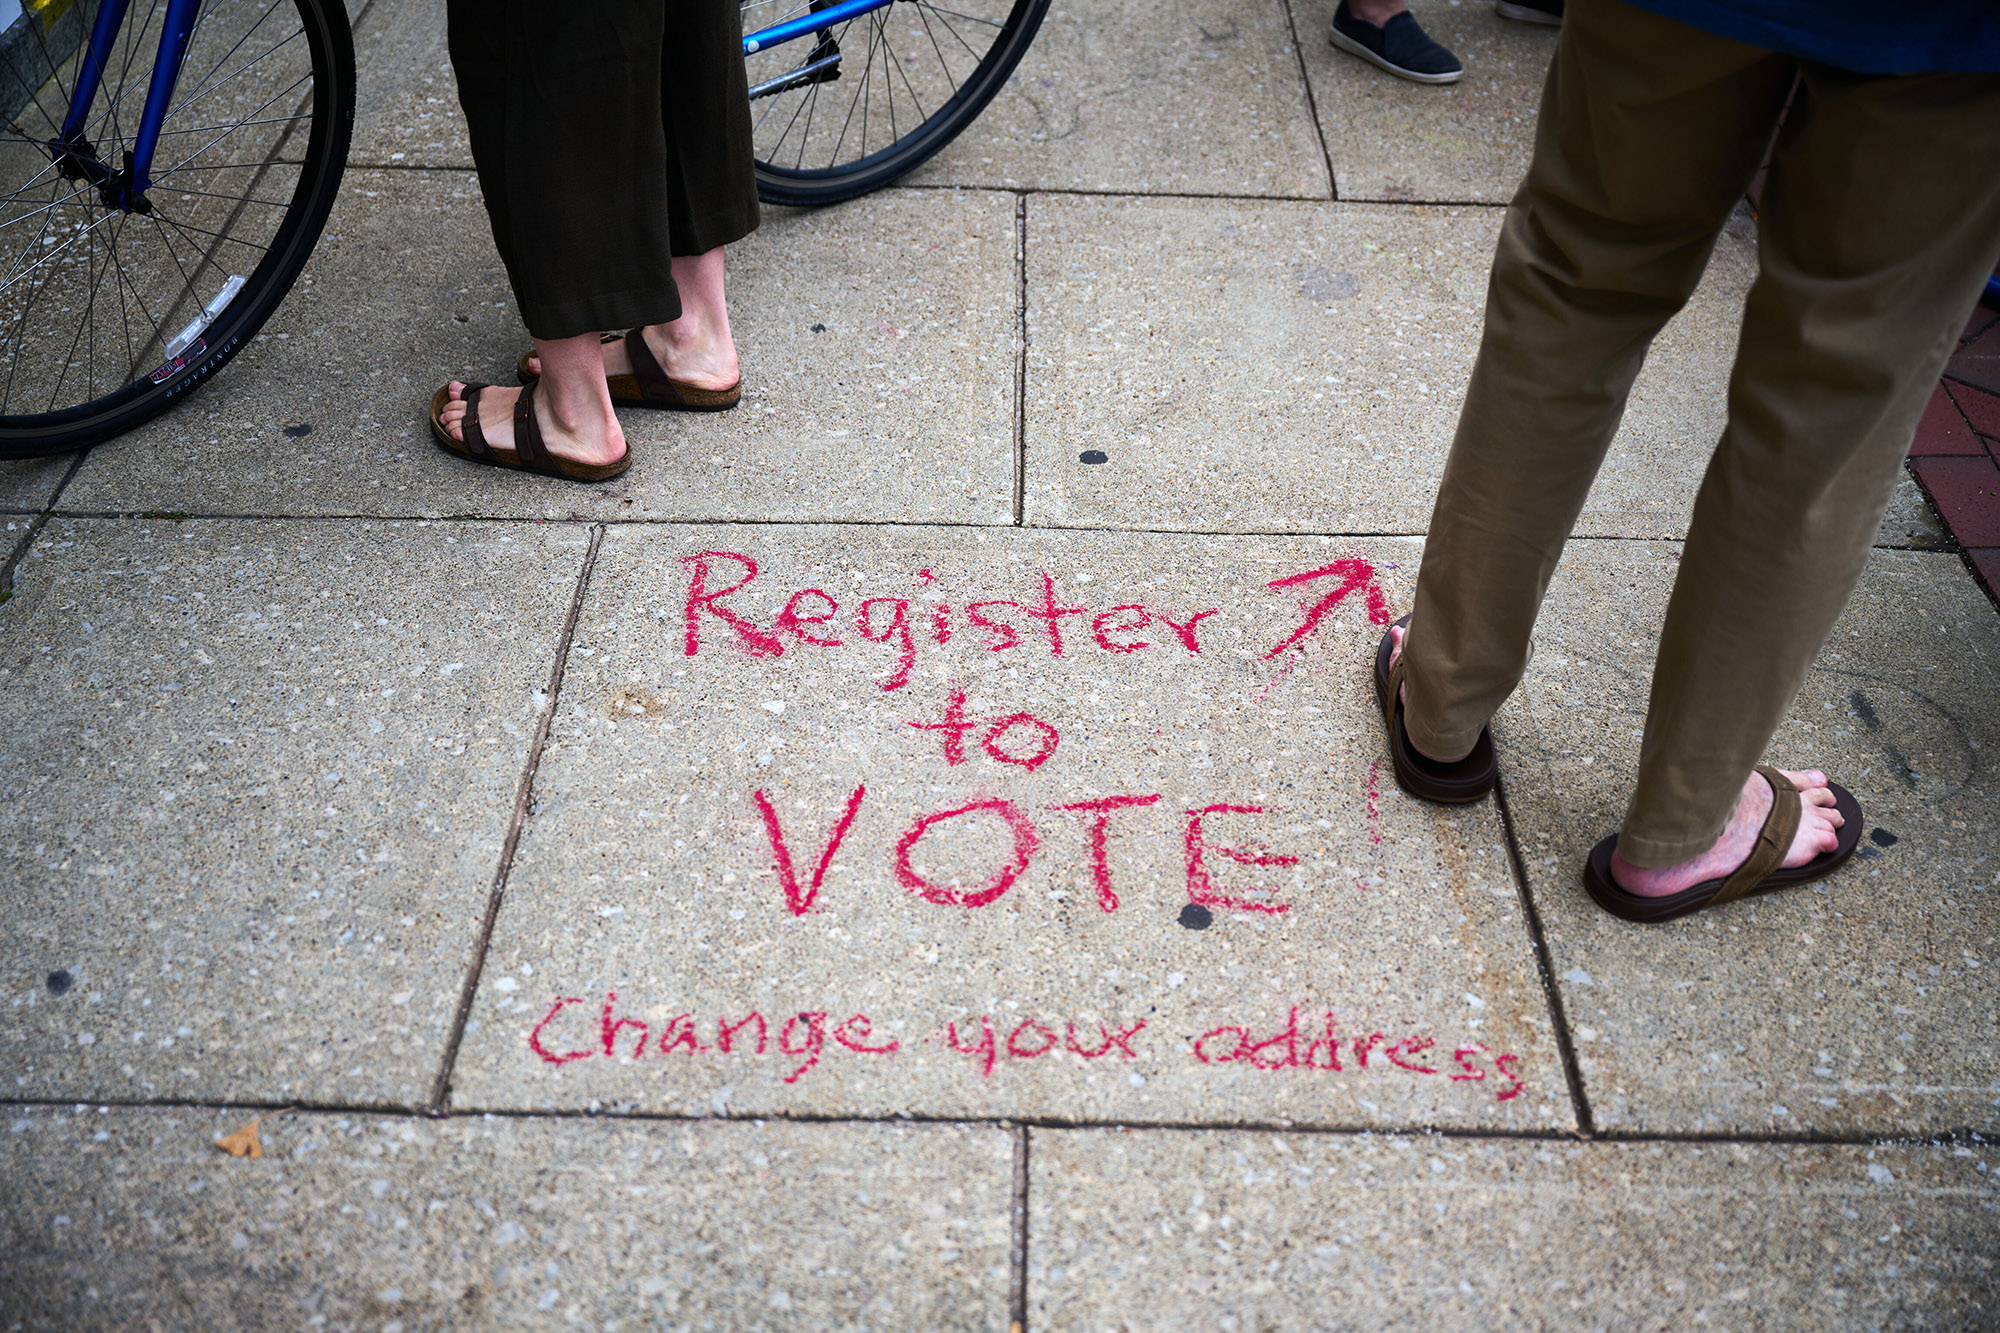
939	937
1862	1004
1911	522
260	774
1466	142
1299	367
406	101
131	1219
1239	1230
29	484
878	343
1148	96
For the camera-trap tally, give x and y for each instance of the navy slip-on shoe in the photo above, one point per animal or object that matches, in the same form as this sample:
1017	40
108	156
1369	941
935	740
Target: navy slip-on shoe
1399	46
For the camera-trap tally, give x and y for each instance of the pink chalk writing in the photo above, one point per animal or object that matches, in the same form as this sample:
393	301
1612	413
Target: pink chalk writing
809	618
802	1037
1184	630
755	641
1025	842
1032	1040
1134	618
956	723
899	629
1292	1048
791	622
1097	838
1200	886
801	903
1355	574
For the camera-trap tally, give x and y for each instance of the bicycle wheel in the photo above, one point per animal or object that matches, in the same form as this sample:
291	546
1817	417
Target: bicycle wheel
866	101
107	318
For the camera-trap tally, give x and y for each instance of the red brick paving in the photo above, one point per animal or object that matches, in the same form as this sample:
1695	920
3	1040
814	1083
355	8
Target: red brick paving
1981	408
1977	360
1966	492
1962	483
1943	429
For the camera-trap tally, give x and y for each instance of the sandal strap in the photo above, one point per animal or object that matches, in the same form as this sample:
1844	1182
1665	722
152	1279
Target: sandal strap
528	432
1773	840
473	436
655	385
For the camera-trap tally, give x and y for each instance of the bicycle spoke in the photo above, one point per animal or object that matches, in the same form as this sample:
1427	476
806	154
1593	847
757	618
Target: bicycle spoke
184	229
943	64
231	198
68	360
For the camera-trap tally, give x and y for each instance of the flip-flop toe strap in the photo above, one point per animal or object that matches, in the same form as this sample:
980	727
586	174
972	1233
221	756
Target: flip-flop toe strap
1773	840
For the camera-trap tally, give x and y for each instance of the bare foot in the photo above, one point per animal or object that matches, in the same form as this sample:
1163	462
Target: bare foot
588	439
1396	635
695	349
1818	833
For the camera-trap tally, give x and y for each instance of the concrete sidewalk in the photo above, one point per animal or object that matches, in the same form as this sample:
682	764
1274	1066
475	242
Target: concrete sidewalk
870	867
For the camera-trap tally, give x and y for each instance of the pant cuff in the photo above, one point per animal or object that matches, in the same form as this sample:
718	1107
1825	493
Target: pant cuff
725	226
607	312
1437	744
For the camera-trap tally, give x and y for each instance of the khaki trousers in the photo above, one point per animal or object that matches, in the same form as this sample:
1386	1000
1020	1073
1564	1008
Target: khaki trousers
1880	220
610	137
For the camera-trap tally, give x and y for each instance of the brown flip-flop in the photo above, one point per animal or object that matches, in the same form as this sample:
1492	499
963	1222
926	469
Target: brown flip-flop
1457	783
1763	872
649	385
529	454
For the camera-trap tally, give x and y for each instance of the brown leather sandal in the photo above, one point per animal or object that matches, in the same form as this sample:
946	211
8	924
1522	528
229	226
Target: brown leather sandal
529	454
1457	783
1763	872
649	385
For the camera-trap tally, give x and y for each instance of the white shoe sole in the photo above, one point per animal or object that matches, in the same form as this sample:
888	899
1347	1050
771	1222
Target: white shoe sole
1354	48
1525	14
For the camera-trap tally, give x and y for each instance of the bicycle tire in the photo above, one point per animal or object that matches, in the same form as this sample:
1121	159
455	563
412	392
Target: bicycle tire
797	184
327	116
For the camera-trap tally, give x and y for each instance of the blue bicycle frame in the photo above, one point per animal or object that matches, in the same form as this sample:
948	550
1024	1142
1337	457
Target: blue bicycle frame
124	189
805	25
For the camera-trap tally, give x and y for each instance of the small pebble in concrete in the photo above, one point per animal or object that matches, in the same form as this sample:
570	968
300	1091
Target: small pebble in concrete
1196	917
1093	456
300	431
1881	837
60	981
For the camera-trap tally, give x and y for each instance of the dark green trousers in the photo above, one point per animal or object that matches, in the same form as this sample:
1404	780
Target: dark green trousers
1881	220
610	137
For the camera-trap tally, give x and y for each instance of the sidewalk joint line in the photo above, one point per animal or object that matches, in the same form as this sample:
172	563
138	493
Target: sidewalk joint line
1017	1281
12	564
1083	192
1544	966
1312	103
1020	359
476	965
611	521
1944	1138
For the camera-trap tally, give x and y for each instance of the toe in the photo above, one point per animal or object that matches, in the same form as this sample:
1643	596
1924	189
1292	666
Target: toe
457	390
1806	779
